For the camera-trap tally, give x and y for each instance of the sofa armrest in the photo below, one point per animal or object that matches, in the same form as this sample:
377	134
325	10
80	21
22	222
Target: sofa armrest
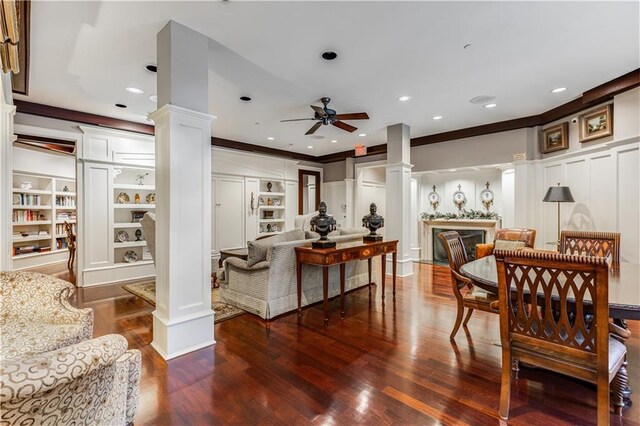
25	377
484	250
242	264
134	360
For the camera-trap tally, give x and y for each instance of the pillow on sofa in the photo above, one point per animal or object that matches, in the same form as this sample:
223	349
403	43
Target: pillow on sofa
353	231
509	245
310	234
259	250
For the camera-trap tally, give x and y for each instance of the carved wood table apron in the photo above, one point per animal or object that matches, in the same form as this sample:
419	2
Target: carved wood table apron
624	288
340	255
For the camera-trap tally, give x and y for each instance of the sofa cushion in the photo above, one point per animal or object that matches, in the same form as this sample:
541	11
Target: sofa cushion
353	231
509	245
22	338
310	234
258	251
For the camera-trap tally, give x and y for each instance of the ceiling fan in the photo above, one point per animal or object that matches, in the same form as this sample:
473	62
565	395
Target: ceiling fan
328	116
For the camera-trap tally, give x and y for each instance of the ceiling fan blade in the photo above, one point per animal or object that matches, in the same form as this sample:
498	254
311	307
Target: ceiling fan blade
319	111
313	129
344	126
353	116
298	119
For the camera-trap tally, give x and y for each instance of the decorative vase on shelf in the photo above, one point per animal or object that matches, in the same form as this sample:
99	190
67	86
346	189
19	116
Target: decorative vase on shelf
269	186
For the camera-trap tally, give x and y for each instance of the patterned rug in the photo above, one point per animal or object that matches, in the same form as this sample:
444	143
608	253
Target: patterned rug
223	311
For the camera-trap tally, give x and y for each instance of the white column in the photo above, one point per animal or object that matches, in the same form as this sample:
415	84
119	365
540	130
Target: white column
398	220
7	113
349	184
183	319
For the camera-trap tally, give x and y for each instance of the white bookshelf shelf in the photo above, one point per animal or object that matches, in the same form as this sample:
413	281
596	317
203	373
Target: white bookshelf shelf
20	238
271	220
31	191
271	207
65	208
272	194
58	222
33	222
134	206
128	244
28	207
127	225
134	187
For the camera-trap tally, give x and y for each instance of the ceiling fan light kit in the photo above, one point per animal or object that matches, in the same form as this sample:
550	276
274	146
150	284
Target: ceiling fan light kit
327	116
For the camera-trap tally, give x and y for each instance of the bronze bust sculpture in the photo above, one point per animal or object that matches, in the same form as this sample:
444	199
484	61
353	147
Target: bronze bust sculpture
323	224
373	221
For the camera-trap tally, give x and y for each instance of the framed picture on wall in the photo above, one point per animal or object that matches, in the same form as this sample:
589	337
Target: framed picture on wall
555	138
596	124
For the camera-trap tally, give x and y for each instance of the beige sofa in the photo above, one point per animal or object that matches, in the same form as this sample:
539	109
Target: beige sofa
269	288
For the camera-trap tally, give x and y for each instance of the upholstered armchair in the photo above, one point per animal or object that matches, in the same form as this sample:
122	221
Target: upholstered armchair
36	317
528	236
95	382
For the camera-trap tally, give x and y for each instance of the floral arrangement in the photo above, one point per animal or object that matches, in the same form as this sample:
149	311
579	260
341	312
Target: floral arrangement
464	214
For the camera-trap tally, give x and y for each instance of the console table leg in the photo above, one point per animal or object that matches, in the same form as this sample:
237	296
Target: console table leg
394	258
325	291
369	261
384	272
299	285
342	268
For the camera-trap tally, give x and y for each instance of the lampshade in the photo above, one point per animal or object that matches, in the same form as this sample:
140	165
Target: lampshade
561	194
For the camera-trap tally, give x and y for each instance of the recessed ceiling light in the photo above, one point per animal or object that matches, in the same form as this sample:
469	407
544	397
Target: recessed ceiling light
362	135
488	106
245	98
404	98
153	98
121	105
310	146
482	99
558	89
151	68
437	117
271	138
329	55
334	141
134	90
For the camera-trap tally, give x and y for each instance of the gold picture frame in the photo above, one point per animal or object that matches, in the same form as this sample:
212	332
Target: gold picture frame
555	138
596	124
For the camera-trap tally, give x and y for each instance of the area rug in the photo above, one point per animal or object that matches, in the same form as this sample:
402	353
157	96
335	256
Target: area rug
223	311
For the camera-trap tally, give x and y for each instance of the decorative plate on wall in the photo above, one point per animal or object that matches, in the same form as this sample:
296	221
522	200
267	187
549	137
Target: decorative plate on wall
122	237
434	198
487	197
131	256
459	198
122	198
151	198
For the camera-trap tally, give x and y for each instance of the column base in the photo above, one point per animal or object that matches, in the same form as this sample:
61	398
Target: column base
404	267
173	339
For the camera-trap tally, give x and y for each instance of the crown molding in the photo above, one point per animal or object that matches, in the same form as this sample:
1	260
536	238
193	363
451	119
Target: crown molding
603	93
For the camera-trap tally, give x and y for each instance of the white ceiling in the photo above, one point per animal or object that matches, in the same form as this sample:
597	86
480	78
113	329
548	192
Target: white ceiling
83	55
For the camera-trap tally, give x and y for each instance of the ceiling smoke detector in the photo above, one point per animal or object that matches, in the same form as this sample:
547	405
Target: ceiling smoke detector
482	99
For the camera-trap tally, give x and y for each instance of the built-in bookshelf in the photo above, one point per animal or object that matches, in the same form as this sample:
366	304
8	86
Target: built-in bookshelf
271	207
41	205
134	194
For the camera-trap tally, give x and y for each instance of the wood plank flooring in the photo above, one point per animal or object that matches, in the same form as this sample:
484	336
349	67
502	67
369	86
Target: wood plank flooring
382	364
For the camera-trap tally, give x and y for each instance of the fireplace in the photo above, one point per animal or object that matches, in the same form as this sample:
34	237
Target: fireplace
485	228
470	237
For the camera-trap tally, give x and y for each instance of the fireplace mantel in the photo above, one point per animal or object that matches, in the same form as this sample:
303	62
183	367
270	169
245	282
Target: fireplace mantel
488	225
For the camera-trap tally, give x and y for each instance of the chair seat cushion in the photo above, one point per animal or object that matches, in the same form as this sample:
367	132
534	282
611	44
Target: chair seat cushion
25	338
479	295
617	352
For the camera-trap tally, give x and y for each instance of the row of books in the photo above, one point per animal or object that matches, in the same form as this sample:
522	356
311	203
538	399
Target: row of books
27	215
61	216
30	249
65	201
27	199
60	229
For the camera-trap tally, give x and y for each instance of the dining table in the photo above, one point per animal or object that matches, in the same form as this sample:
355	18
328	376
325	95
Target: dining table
624	285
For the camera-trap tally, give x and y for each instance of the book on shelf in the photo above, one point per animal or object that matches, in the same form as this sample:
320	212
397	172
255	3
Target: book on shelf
27	199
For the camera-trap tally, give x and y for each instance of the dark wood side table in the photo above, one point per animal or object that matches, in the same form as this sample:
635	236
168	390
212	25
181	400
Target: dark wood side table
242	253
340	255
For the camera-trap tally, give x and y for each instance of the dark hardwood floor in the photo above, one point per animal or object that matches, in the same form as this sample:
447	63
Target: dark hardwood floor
382	364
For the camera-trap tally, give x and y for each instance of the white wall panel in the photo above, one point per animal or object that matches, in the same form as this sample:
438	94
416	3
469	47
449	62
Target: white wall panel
628	206
228	205
97	225
602	193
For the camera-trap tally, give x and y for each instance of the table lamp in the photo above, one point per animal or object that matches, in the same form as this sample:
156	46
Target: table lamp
558	194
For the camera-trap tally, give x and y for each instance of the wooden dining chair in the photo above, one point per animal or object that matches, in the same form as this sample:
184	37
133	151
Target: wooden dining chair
590	243
551	330
472	297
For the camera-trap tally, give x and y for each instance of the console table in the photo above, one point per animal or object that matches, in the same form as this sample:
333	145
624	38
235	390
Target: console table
340	255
